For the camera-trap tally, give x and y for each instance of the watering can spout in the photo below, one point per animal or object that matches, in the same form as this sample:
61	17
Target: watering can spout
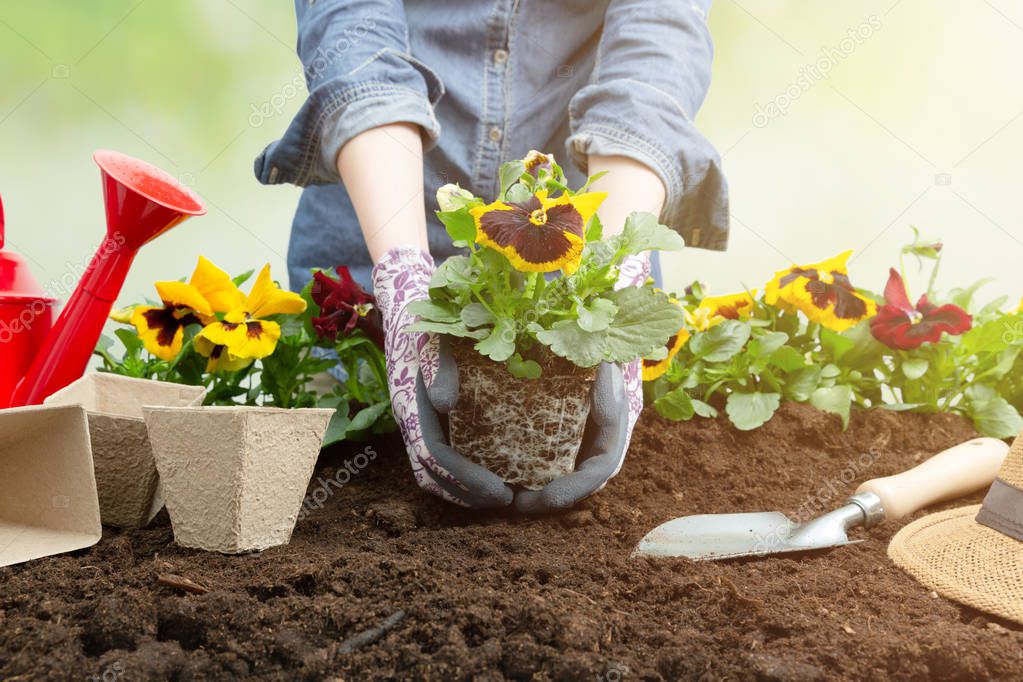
142	202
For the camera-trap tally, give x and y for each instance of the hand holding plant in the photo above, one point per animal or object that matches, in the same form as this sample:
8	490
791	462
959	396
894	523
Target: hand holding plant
519	336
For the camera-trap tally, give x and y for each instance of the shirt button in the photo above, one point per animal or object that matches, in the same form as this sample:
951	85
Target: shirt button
495	134
500	56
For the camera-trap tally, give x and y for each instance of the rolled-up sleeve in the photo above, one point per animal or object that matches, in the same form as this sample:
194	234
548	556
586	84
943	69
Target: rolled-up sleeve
651	76
360	74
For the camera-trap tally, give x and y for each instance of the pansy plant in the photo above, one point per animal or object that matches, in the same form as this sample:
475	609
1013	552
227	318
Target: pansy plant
814	337
538	275
263	347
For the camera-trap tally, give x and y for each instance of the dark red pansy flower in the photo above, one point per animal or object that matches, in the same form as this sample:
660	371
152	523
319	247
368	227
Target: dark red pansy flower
901	325
344	306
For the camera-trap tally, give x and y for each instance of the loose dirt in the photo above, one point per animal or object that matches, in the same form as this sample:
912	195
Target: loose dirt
382	581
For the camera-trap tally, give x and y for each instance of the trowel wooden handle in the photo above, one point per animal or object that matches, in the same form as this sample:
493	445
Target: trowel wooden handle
953	473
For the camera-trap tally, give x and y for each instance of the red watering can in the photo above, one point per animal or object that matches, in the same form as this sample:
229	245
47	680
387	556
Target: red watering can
38	357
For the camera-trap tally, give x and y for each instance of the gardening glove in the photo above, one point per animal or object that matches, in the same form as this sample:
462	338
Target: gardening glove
414	364
616	402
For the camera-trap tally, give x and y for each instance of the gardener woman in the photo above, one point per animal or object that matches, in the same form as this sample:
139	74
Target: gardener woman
405	97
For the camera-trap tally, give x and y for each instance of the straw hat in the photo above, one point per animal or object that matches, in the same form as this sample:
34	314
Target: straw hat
973	554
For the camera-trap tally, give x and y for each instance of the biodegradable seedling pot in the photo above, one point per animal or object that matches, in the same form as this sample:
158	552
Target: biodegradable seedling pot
129	491
48	501
235	477
527	431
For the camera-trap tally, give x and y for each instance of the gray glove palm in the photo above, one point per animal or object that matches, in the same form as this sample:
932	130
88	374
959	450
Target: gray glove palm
603	448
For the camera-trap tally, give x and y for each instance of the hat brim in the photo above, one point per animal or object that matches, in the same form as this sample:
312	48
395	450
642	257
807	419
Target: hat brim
960	559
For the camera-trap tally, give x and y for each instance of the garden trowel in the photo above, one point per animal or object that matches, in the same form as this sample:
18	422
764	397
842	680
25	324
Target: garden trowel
955	472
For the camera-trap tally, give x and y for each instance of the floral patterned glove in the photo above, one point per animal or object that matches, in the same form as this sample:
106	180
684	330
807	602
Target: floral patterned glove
616	403
413	366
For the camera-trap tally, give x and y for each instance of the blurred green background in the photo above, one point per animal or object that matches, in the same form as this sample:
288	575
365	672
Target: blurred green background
840	124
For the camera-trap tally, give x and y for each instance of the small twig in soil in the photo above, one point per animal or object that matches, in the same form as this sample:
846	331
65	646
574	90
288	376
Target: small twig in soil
182	583
367	637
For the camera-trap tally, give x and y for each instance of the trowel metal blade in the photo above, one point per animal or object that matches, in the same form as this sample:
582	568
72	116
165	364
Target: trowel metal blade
727	536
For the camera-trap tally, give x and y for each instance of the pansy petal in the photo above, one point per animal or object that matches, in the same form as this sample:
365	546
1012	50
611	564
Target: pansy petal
653	369
259	341
182	295
216	286
530	246
161	330
730	306
267	299
895	291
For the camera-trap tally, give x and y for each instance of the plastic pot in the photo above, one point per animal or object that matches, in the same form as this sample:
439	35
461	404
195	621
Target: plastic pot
526	431
235	478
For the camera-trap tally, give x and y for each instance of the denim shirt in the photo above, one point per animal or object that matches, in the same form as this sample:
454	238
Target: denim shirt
486	82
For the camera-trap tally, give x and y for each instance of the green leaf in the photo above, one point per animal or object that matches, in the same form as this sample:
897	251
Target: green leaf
518	193
721	342
367	417
523	369
750	411
449	328
130	339
1004	363
460	225
788	359
834	399
456	270
598	316
595	230
991	413
994	336
767	344
242	278
901	407
704	410
510	173
500	344
432	311
830	371
645	321
964	297
643	232
476	315
800	384
835	344
675	405
914	368
337	430
567	339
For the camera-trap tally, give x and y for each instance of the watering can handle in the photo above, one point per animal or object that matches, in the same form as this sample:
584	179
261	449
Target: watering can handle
950	474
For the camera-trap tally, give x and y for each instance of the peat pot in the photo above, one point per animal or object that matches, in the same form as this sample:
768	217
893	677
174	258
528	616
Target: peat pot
129	491
527	431
48	501
235	478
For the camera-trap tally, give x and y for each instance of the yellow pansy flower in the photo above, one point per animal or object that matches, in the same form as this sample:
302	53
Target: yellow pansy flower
245	333
162	329
540	234
822	292
713	310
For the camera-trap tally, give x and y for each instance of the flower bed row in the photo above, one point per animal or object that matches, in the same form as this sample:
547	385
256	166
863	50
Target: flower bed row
815	337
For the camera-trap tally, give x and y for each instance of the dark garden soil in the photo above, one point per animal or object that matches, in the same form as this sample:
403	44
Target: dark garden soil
495	596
